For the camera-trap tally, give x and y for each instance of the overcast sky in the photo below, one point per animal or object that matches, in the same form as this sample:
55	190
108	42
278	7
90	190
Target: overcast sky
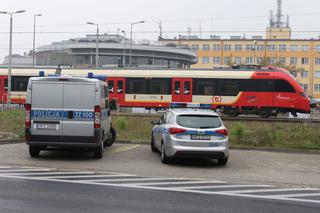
64	19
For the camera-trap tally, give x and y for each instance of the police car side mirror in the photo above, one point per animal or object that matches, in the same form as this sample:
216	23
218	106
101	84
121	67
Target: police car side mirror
155	123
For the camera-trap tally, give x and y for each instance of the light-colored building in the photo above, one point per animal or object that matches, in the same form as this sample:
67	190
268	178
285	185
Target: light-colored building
300	56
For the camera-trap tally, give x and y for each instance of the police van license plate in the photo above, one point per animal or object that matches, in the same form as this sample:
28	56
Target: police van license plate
47	126
200	137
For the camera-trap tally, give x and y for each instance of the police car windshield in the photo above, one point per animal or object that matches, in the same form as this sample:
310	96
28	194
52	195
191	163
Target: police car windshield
199	121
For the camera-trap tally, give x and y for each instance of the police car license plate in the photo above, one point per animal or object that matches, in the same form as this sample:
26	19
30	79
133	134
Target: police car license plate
47	126
200	137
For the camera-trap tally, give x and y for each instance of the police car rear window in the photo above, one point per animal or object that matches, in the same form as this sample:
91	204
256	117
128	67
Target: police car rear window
199	121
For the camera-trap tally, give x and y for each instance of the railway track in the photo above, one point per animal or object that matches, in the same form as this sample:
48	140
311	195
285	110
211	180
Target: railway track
239	118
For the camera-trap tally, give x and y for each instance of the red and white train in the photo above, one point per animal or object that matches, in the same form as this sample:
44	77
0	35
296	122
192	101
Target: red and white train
263	91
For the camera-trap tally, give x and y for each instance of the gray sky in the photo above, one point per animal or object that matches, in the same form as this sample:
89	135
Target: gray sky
63	19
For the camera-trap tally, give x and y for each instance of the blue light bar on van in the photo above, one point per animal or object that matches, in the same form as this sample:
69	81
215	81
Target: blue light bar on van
41	73
190	105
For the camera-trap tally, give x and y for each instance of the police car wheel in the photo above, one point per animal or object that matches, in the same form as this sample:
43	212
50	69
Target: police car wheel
98	152
34	151
153	147
223	161
164	158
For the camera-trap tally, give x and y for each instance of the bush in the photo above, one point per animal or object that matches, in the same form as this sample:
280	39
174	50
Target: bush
122	123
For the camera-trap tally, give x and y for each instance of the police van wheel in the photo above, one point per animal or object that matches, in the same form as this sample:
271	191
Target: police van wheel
153	147
98	152
34	151
111	139
223	161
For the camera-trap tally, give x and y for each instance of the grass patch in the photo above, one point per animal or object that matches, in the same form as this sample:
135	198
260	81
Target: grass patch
256	134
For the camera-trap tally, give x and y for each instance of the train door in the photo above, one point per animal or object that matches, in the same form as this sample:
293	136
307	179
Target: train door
3	88
182	90
117	89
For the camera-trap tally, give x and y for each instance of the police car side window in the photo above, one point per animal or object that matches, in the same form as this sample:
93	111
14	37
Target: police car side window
169	118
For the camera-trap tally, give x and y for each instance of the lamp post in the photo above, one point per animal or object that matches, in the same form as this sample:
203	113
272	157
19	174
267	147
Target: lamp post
134	23
276	45
10	53
34	39
254	51
97	43
124	49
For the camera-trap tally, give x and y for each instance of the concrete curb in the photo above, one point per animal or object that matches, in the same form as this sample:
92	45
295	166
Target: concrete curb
247	148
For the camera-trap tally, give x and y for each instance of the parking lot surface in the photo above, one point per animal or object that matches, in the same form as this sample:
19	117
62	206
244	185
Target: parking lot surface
254	167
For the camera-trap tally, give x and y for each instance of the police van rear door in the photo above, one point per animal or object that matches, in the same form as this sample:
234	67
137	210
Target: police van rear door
78	105
47	114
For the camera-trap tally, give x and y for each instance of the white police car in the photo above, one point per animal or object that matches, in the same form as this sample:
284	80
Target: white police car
188	130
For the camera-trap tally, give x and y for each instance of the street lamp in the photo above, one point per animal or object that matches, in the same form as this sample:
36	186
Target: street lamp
34	39
134	23
275	37
124	49
10	53
97	43
254	51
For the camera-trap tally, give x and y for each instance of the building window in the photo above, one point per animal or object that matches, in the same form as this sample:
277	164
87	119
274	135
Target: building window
272	60
195	46
304	74
294	73
249	47
227	60
271	47
260	47
304	87
216	47
206	47
317	61
294	48
304	60
317	87
318	48
260	60
282	47
293	61
238	60
227	47
238	47
282	60
305	48
249	60
317	74
205	60
216	60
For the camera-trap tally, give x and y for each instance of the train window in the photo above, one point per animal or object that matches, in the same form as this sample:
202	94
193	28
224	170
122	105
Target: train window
204	87
229	88
120	86
160	86
111	86
177	87
187	88
5	84
19	83
136	86
256	85
283	86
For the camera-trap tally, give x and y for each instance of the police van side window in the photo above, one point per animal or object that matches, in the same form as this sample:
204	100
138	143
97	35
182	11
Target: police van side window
102	97
106	99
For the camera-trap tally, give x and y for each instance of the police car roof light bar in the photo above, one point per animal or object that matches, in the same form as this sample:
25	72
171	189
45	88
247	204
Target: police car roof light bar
190	105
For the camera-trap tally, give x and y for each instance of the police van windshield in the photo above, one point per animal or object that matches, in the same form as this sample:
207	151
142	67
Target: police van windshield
199	121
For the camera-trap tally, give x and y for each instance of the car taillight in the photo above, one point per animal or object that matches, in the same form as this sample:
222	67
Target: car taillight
97	117
174	131
28	115
222	132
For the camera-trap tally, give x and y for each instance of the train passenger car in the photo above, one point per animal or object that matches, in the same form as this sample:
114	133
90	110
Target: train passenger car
263	91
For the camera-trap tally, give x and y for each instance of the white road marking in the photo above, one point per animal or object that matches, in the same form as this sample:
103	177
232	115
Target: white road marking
174	183
299	195
134	179
85	176
46	173
23	170
269	190
220	186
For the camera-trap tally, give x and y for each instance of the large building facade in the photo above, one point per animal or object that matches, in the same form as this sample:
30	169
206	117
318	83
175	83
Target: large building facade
113	51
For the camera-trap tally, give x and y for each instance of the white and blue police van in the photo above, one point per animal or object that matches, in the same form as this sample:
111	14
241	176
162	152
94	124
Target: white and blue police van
68	112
